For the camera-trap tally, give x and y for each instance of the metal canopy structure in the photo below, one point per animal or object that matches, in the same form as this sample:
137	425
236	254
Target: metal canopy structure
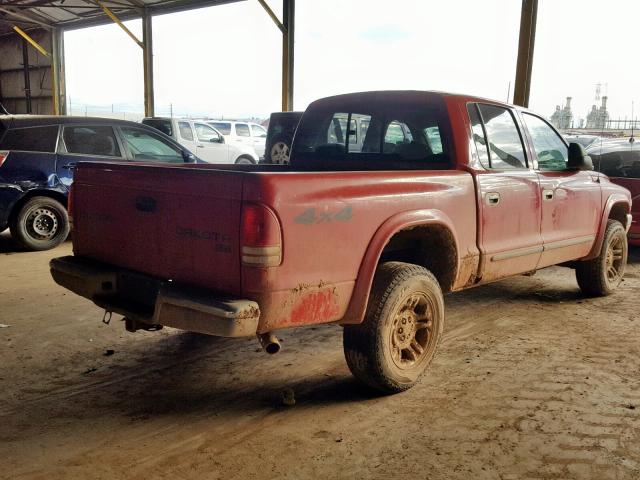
69	14
56	16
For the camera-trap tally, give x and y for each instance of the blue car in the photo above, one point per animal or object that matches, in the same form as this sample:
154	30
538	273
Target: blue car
38	155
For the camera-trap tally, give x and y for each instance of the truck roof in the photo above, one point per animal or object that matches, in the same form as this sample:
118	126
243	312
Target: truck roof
402	95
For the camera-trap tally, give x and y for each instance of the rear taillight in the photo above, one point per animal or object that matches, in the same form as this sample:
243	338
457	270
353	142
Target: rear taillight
70	206
3	156
261	239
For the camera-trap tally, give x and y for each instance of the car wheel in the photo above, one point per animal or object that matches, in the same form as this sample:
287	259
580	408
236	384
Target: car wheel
280	153
42	223
245	161
601	275
403	324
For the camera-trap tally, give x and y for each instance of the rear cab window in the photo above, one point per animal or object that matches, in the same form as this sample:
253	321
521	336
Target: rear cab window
31	139
91	140
374	135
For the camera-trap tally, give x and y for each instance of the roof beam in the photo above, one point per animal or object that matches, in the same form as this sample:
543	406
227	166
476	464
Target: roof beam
26	18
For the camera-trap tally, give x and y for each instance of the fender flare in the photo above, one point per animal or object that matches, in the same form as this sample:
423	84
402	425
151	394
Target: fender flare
394	224
614	199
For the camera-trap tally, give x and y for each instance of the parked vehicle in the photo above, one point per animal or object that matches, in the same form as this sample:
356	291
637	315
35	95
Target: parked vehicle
38	156
282	126
585	140
208	143
620	160
466	192
242	133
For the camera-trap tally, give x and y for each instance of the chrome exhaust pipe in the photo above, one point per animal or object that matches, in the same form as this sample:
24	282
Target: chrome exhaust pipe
269	342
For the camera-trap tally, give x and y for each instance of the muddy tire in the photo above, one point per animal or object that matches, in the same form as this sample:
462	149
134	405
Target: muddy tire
403	324
41	224
602	275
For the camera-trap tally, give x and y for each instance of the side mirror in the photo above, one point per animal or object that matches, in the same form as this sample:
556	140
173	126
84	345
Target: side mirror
219	139
188	156
578	158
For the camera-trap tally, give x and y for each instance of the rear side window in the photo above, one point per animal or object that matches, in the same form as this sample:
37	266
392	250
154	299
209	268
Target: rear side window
505	145
91	140
242	130
223	127
32	139
185	131
163	125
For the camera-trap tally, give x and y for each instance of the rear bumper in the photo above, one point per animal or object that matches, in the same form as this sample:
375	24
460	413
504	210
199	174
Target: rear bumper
156	302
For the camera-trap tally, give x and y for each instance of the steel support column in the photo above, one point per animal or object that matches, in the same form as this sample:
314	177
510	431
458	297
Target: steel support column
526	44
288	37
27	75
58	90
147	55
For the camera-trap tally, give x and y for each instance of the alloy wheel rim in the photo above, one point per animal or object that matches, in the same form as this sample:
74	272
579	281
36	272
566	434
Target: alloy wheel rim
614	259
412	333
280	153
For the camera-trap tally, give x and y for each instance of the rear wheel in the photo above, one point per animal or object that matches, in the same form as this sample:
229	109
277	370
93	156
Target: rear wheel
602	275
42	223
245	161
398	338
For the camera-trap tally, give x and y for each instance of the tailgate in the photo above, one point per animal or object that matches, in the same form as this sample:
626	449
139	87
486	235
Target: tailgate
173	222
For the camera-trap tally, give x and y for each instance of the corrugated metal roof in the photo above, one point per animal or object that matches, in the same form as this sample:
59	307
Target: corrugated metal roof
28	14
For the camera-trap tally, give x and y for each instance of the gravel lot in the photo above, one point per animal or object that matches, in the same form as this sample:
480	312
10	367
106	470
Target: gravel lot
532	381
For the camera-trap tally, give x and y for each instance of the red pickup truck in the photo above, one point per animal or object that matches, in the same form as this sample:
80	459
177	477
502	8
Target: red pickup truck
390	200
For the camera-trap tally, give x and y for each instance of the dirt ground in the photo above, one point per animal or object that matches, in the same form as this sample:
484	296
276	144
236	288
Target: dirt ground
532	381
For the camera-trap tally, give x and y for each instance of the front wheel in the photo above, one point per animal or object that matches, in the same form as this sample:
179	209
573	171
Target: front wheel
403	324
42	223
602	275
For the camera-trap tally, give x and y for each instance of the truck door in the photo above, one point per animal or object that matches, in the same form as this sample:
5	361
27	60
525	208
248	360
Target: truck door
508	196
211	146
571	199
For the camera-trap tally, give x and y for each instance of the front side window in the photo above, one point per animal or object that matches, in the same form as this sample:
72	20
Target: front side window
258	131
91	140
205	133
551	151
185	131
145	146
242	130
505	145
31	139
394	135
223	127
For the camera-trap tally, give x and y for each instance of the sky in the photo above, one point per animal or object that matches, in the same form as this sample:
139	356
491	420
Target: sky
226	60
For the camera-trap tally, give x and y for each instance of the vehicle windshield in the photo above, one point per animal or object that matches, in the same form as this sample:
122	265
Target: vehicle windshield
373	133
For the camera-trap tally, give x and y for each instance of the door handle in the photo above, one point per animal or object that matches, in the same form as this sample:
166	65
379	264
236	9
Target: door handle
199	146
547	194
493	198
